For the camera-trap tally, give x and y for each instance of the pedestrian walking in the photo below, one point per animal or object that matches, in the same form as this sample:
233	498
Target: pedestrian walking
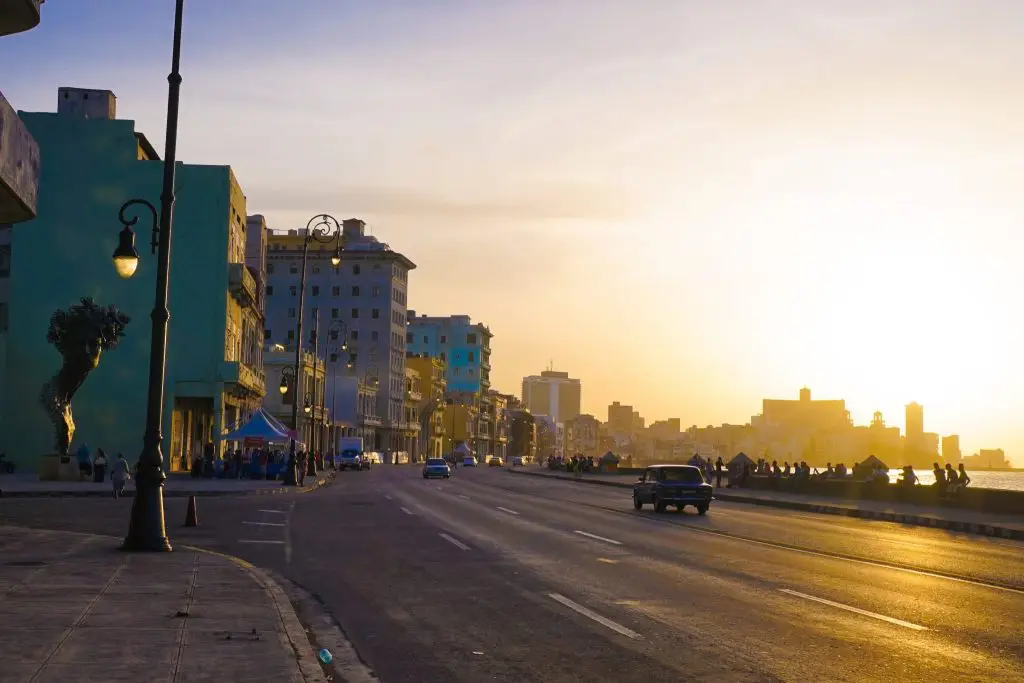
120	473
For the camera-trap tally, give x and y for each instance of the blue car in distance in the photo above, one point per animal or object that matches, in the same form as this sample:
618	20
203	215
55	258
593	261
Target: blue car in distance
678	485
436	467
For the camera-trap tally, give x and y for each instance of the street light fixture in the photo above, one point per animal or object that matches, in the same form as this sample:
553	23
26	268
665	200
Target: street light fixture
147	530
287	379
318	228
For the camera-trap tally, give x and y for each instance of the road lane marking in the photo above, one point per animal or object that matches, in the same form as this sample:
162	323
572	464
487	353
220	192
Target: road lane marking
607	560
407	511
276	512
288	535
462	495
855	610
597	538
389	497
245	521
454	541
511	512
783	546
589	614
261	540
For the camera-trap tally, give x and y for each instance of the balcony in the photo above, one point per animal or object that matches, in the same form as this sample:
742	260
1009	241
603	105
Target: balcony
413	396
245	376
19	161
241	284
18	15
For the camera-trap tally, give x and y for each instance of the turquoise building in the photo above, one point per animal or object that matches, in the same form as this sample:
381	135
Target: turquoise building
93	163
463	345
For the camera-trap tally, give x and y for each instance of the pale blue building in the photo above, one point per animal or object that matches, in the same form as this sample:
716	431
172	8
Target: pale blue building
463	345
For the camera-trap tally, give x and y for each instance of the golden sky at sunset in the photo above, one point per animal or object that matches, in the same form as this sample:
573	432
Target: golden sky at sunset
690	205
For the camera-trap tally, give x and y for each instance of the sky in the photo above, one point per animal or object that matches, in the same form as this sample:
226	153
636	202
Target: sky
689	205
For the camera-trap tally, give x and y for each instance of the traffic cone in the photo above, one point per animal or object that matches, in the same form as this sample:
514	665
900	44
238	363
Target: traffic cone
191	516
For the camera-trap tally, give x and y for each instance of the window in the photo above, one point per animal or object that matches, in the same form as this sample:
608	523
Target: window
334	312
334	335
292	268
355	313
472	357
270	290
266	334
355	270
353	358
443	357
471	338
375	314
355	290
291	312
426	340
316	312
316	291
291	335
374	335
444	339
316	270
334	358
409	338
354	335
293	290
376	290
270	268
335	291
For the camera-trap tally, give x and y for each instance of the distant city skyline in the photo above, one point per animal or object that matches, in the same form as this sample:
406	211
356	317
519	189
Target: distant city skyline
851	212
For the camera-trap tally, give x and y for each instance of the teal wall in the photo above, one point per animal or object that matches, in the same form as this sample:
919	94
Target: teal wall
90	167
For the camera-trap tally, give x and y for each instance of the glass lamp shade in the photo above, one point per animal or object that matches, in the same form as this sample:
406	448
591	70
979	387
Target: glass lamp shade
126	258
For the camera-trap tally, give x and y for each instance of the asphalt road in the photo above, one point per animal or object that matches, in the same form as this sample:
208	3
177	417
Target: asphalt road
493	576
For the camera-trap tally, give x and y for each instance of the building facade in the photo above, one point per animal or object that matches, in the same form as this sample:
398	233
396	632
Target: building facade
308	391
582	436
95	164
553	393
431	386
464	346
362	302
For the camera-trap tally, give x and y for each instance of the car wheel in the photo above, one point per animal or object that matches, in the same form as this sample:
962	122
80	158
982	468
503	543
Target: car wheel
703	509
637	505
658	505
426	477
447	476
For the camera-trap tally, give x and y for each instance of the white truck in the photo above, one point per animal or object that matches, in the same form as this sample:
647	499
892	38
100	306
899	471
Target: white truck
350	454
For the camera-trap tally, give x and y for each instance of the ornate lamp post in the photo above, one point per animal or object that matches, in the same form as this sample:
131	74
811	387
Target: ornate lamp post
147	530
318	228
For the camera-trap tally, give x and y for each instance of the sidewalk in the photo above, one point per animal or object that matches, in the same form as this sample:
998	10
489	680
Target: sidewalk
74	608
26	485
1002	526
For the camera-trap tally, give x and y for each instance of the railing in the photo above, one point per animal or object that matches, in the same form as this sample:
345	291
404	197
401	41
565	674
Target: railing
241	284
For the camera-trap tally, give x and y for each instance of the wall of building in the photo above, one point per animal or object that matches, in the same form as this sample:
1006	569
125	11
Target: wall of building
65	254
464	346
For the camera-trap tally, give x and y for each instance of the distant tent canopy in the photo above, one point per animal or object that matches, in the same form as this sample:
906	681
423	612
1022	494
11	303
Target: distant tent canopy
463	450
740	459
610	457
870	464
261	428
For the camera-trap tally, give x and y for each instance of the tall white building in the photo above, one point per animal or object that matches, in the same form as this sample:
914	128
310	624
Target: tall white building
554	394
361	302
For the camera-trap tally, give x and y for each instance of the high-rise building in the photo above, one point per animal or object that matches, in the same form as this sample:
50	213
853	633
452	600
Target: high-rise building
95	163
951	448
365	297
621	419
552	393
914	423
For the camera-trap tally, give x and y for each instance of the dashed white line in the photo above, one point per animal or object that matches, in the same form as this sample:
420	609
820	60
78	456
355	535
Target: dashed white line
407	511
454	541
261	540
598	538
245	521
389	497
463	495
511	512
590	614
855	610
276	512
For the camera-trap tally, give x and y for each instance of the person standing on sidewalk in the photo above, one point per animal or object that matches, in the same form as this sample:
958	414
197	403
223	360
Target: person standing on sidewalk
120	473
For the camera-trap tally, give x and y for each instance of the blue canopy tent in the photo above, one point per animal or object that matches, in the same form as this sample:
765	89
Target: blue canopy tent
262	426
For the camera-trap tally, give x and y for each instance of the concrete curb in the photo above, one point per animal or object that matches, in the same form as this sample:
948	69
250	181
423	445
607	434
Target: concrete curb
898	517
173	493
305	655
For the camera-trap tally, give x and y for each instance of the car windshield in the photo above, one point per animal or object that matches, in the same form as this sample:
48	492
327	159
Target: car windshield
436	462
687	475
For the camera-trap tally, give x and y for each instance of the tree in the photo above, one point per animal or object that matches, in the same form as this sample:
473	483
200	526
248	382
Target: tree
81	334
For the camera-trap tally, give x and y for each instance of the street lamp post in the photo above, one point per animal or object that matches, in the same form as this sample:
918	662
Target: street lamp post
147	530
310	405
319	228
